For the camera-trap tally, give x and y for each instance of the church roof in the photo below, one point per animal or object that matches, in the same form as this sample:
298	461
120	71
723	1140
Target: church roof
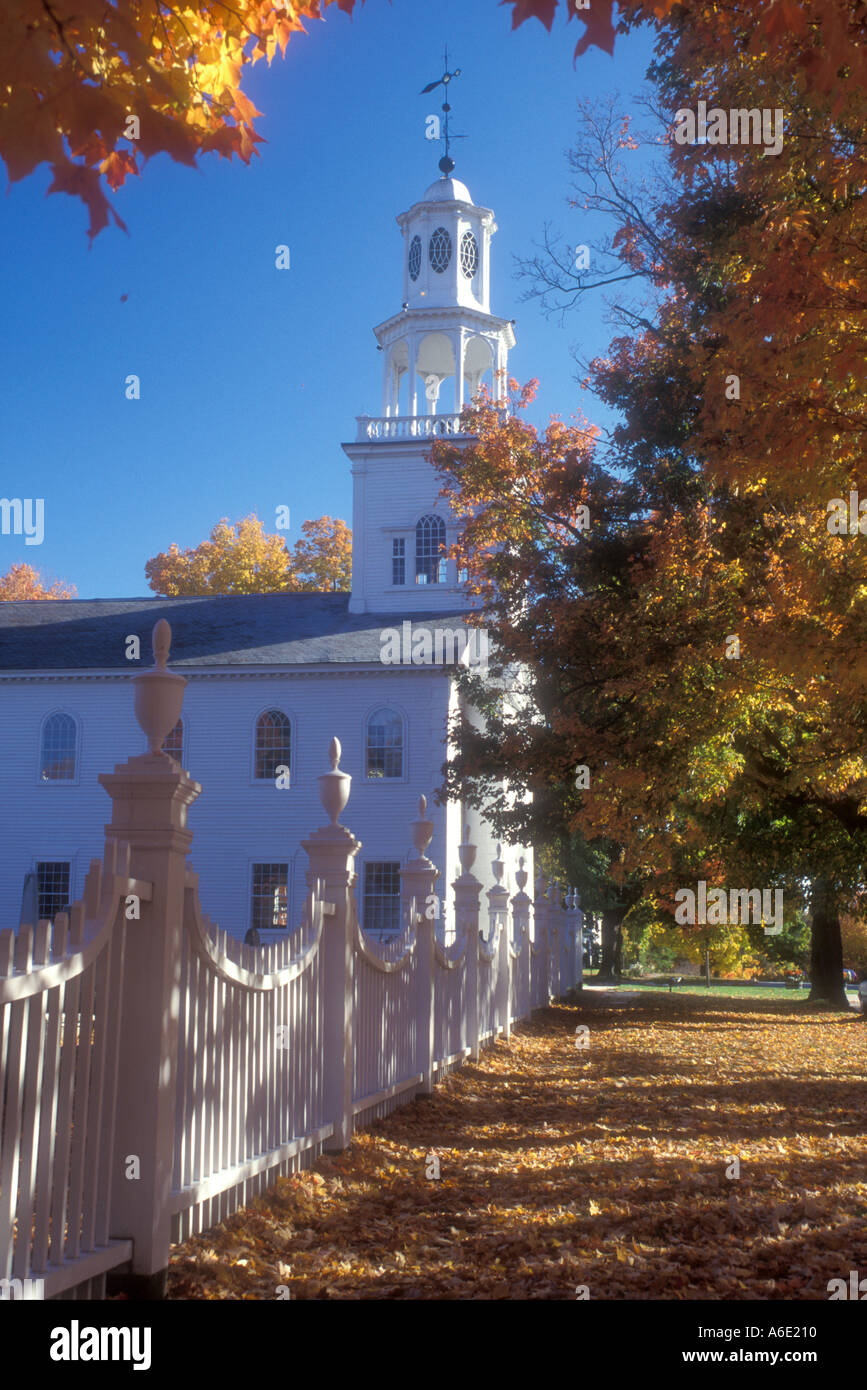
243	630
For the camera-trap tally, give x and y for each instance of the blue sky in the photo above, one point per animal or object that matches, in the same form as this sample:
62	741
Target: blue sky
252	377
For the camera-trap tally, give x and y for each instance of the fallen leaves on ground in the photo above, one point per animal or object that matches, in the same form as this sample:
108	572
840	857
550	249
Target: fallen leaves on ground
604	1167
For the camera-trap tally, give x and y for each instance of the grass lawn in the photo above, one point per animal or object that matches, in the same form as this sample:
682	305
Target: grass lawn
604	1166
725	990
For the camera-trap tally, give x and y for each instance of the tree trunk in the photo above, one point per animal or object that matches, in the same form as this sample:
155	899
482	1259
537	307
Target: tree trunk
826	948
612	946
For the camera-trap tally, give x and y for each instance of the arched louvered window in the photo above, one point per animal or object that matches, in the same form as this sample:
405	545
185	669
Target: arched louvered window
273	744
384	744
430	541
57	753
174	744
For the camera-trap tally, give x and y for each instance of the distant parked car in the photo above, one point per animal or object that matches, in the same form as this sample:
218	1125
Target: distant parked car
862	995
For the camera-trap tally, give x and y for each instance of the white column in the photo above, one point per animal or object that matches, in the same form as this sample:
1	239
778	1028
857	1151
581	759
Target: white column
412	398
459	372
501	359
387	382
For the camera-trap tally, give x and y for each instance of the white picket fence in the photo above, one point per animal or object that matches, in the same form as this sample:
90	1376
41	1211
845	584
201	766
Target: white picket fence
156	1074
60	1031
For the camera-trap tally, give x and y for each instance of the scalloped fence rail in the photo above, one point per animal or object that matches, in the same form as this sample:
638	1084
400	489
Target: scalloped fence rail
155	1074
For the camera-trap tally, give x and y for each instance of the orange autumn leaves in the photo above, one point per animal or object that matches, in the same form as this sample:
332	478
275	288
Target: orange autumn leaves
74	73
96	90
603	1167
242	558
24	582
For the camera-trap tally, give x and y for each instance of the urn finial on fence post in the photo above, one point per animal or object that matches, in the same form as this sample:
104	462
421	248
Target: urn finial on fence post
334	785
499	866
466	852
422	829
159	693
521	875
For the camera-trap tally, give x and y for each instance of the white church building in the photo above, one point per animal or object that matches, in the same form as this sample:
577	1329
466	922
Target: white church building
272	678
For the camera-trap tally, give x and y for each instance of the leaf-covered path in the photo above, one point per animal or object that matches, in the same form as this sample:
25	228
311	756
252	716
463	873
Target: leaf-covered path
604	1166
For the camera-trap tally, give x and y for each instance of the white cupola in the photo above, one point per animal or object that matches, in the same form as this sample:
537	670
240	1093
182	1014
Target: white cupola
444	342
441	347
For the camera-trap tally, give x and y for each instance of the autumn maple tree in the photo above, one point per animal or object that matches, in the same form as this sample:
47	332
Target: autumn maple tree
95	89
322	556
242	558
717	685
24	582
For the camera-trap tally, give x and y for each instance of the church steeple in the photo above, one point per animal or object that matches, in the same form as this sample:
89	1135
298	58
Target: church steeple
438	350
444	341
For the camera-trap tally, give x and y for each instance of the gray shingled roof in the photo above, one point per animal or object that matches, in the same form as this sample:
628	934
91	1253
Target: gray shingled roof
247	630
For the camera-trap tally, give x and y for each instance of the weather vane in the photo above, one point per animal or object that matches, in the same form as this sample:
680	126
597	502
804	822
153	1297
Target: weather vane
446	164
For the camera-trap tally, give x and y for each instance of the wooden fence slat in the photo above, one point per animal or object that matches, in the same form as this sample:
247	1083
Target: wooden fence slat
53	1002
69	1025
33	1069
97	1116
80	1113
14	1103
112	1023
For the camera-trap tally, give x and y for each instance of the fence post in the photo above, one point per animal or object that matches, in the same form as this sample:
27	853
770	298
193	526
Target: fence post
150	795
417	879
498	909
331	852
541	933
579	940
555	936
521	919
571	905
467	891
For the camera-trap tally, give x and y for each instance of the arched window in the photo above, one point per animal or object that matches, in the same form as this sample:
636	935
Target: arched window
57	754
384	744
174	743
273	743
430	541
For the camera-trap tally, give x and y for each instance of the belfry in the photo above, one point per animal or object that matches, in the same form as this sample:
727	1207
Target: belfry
438	350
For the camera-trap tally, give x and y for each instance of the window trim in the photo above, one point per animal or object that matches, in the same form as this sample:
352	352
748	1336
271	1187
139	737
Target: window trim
389	932
385	703
269	933
396	541
441	559
49	856
269	781
73	781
